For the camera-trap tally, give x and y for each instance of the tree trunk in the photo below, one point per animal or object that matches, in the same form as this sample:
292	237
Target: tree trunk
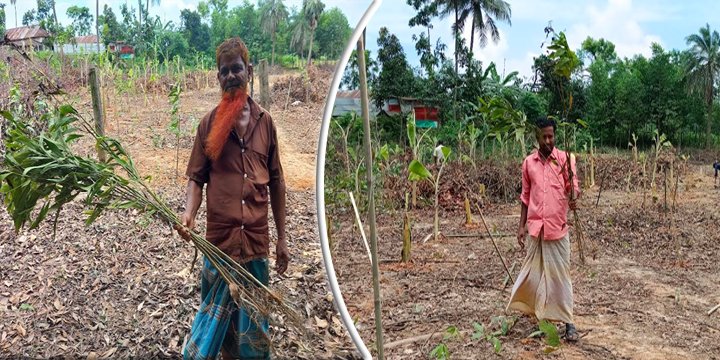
272	61
312	37
97	23
139	23
57	26
472	34
709	119
16	14
456	40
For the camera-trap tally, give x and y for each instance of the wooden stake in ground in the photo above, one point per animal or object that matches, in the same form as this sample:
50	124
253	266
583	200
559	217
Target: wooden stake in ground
495	244
602	181
287	100
264	86
371	197
359	224
97	107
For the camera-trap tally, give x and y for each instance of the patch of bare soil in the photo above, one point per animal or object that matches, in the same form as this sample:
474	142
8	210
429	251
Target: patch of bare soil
641	295
116	289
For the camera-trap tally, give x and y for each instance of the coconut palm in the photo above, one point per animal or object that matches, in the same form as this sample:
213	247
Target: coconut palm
312	9
273	13
14	3
703	68
300	28
483	12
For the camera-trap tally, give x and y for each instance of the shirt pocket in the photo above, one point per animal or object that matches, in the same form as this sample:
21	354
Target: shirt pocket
259	176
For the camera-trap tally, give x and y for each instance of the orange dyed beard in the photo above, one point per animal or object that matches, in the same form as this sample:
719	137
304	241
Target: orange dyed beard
231	106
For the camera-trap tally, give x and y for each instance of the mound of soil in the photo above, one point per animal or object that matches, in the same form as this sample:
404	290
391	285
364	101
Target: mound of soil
312	87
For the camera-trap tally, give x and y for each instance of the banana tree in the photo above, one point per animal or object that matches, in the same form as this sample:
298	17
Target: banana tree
345	132
418	172
661	144
506	122
415	143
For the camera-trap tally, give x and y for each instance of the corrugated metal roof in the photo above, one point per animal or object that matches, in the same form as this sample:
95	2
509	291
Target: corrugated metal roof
26	32
89	39
353	94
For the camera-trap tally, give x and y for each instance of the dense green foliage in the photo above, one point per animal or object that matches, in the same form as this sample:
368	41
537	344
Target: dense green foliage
670	91
266	26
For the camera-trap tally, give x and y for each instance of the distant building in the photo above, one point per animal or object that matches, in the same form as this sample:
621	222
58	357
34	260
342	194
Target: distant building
126	51
425	116
84	45
28	37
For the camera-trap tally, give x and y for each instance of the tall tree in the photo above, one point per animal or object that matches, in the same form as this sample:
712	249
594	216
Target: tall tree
484	14
196	33
14	3
272	14
2	20
97	23
333	33
57	30
28	17
703	69
81	19
312	9
396	77
300	29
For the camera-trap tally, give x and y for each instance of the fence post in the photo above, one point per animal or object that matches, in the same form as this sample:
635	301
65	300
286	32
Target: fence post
264	86
97	107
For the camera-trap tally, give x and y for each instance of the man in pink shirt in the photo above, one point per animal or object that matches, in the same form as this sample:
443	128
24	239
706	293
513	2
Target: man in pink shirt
544	287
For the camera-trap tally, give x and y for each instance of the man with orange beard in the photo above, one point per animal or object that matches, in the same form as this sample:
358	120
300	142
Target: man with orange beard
236	155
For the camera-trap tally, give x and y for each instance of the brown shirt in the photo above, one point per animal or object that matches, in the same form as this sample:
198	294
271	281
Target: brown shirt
237	184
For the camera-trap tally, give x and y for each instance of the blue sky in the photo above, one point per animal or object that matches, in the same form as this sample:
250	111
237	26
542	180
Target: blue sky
632	25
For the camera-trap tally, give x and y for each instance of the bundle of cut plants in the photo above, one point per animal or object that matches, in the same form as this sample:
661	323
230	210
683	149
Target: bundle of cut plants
41	174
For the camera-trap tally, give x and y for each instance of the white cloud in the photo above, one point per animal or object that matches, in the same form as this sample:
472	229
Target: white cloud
619	22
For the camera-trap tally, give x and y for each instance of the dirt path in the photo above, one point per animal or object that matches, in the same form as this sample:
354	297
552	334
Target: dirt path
635	300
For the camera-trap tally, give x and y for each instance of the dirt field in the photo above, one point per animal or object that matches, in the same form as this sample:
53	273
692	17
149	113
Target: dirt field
116	289
635	300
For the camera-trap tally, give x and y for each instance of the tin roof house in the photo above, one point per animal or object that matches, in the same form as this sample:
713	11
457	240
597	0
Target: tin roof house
425	116
28	37
83	45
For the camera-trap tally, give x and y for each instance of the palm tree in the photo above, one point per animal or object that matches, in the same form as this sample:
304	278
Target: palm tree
703	68
483	12
299	34
14	3
312	9
273	13
97	23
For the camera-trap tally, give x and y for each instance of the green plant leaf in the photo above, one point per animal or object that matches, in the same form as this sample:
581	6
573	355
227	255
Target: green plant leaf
445	151
384	153
479	331
550	331
27	307
419	170
496	344
67	109
534	334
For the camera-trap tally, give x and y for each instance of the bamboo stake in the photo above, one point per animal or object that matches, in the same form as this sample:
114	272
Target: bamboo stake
371	197
713	309
495	244
97	105
602	181
287	100
359	224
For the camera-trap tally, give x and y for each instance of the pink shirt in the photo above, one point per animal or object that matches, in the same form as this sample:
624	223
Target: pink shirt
544	189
